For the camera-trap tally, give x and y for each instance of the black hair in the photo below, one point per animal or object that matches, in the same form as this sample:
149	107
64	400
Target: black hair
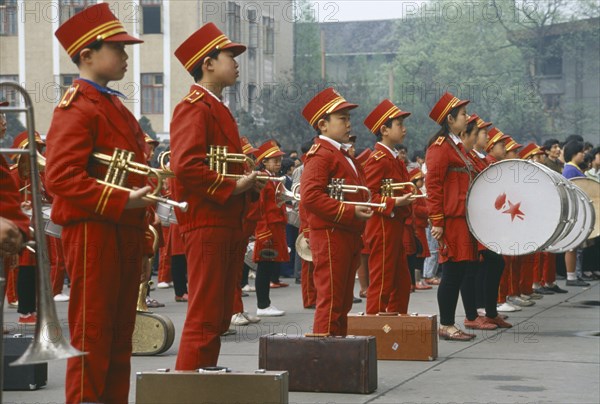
388	124
548	143
594	151
286	164
571	149
197	73
401	147
96	45
571	138
417	154
587	146
470	127
445	126
305	147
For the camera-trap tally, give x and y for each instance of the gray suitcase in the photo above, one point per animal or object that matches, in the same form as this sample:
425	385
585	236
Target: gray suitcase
211	385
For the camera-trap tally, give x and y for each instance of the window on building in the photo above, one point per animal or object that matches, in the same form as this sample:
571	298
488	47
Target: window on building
551	102
252	97
152	93
8	94
550	62
68	8
66	80
8	17
234	21
252	29
269	35
151	16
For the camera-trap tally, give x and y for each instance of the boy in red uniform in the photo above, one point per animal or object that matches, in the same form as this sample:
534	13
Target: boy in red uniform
212	226
335	227
389	275
103	227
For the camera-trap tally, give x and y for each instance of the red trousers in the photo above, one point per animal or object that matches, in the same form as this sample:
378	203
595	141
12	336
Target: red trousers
526	279
309	293
104	262
511	276
389	276
336	257
11	275
164	260
57	265
545	269
214	261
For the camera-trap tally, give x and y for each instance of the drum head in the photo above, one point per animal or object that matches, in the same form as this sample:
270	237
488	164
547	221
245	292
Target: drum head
592	190
516	208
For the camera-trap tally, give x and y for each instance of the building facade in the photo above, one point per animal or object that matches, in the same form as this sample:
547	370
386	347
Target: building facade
155	81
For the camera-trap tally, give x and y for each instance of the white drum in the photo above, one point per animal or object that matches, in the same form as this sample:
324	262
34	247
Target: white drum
249	255
50	228
166	214
584	225
592	189
515	207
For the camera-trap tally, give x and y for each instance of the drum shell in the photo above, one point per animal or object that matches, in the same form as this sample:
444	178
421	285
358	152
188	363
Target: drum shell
592	189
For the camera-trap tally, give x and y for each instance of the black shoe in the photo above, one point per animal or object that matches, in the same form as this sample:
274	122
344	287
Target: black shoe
556	289
244	294
577	282
560	277
586	278
298	282
357	300
543	291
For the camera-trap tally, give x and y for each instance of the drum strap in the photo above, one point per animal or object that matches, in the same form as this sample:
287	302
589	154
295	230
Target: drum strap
469	167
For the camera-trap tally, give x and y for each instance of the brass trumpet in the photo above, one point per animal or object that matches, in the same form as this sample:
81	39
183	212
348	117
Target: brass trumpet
388	188
282	194
337	188
219	160
163	163
121	163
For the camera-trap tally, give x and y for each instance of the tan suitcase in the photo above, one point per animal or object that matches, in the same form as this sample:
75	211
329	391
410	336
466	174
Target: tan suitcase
408	337
211	386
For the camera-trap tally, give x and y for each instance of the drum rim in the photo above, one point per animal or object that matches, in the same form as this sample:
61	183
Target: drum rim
563	196
577	180
578	240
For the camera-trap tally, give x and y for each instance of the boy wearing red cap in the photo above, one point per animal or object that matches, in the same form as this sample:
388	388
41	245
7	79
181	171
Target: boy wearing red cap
335	227
389	276
212	226
103	227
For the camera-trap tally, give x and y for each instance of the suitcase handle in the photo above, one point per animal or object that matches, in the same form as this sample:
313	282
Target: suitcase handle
388	314
214	369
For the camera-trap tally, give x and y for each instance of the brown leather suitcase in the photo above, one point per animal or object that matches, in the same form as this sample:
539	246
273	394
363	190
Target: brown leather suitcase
408	337
211	386
322	364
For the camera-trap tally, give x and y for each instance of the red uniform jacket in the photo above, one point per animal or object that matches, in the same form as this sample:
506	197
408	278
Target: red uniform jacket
490	160
88	121
324	162
200	120
380	165
479	163
10	200
270	226
447	181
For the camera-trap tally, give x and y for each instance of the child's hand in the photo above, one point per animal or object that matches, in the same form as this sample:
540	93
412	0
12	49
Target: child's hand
137	198
404	200
245	183
362	212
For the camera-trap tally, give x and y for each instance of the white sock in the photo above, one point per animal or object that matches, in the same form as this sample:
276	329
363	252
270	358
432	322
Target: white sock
536	285
571	276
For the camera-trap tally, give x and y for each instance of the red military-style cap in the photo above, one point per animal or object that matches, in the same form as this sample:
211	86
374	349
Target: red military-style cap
247	147
364	156
325	103
150	141
267	150
95	23
481	124
511	144
530	150
495	135
3	103
202	43
445	104
415	174
21	141
382	113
